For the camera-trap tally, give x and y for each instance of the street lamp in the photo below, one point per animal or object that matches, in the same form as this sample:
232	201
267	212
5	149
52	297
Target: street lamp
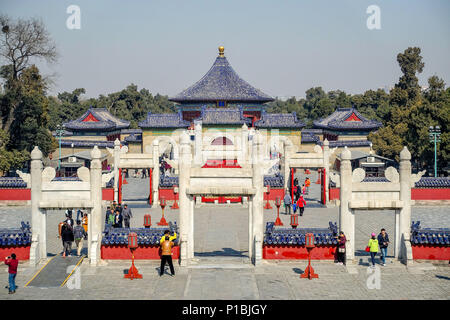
435	134
60	132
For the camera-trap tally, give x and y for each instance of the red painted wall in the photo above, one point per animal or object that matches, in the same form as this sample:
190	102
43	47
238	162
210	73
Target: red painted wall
431	252
108	194
22	252
15	194
298	252
430	194
274	193
122	252
334	193
416	194
168	194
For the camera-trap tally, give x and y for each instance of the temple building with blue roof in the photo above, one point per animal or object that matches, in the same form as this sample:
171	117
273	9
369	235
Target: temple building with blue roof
220	101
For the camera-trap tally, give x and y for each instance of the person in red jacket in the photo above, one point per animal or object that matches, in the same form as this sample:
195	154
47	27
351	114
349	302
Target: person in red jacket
301	203
12	264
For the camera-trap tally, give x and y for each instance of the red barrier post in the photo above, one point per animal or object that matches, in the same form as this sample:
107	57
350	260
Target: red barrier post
309	271
268	206
278	204
163	221
133	272
175	204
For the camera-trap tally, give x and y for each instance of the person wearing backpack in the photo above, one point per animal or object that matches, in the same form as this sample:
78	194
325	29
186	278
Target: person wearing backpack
373	248
12	263
301	203
166	253
79	234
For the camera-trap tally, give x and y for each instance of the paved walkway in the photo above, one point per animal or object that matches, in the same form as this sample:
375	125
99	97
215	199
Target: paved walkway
222	270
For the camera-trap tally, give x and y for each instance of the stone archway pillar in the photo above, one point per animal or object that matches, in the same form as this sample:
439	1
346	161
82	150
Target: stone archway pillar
405	196
38	248
186	207
155	173
95	219
346	216
257	201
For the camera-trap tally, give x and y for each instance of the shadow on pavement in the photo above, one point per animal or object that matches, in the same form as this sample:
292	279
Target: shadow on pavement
225	252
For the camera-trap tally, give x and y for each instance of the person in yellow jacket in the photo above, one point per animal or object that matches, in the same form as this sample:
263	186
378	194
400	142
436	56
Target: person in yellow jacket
373	246
171	238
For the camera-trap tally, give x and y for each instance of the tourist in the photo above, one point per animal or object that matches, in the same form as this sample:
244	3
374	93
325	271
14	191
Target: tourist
109	212
171	238
12	264
113	206
144	173
307	184
79	214
341	248
287	203
67	238
303	189
111	218
69	219
84	222
127	215
383	240
373	248
301	203
117	219
166	253
79	234
119	207
108	168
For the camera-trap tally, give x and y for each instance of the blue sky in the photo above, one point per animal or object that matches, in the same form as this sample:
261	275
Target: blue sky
282	47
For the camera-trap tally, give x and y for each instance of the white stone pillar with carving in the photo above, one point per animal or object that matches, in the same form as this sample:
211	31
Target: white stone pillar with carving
288	149
38	248
326	165
155	173
346	218
405	194
257	201
116	169
184	165
95	219
244	144
198	143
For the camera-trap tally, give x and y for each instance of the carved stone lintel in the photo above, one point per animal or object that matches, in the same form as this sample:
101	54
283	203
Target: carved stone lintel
83	174
48	174
358	175
392	174
416	177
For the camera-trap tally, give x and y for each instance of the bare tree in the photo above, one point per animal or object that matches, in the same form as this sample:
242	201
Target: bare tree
21	42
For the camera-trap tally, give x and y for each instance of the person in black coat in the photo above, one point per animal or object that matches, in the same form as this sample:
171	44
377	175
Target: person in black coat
118	220
67	238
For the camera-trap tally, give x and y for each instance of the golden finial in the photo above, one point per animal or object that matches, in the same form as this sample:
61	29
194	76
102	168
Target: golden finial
221	50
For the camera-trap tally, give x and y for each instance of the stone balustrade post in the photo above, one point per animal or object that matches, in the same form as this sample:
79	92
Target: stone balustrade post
346	217
155	173
405	196
257	201
184	165
116	169
38	248
326	165
95	219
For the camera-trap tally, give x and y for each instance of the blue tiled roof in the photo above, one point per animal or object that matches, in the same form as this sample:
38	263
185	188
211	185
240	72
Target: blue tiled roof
309	137
432	182
106	121
129	131
429	236
279	120
12	183
336	121
288	236
164	120
347	143
134	138
168	182
221	83
87	143
223	116
275	181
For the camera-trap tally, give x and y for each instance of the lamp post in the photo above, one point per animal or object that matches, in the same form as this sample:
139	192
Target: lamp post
435	134
163	221
60	132
278	204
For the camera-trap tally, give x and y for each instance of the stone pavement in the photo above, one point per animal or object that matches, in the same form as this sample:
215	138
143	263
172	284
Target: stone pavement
222	269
